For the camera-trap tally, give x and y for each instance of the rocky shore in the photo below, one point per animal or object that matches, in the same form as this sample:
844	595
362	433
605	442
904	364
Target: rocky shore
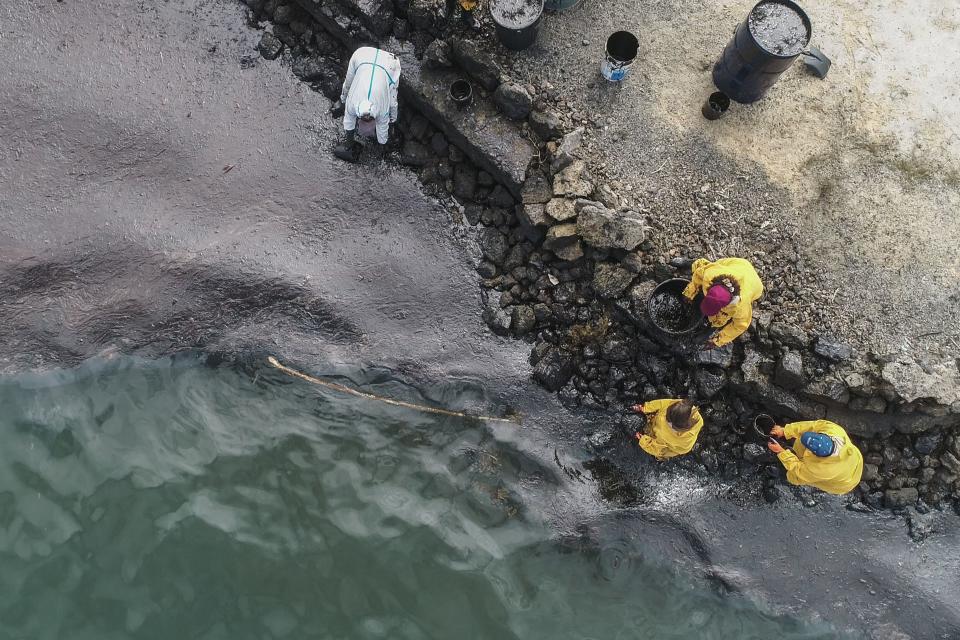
569	260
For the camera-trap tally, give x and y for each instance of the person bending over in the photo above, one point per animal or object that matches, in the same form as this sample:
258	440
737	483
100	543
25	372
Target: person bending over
369	95
672	427
823	456
729	288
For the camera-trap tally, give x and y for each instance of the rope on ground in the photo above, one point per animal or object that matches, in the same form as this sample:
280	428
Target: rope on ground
369	396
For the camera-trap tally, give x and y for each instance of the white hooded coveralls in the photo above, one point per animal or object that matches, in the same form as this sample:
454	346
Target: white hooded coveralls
374	75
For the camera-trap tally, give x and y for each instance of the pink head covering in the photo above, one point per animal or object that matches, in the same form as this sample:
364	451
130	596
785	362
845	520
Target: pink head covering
718	296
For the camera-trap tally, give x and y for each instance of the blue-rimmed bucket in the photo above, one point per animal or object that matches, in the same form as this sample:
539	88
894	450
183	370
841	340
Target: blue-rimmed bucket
620	53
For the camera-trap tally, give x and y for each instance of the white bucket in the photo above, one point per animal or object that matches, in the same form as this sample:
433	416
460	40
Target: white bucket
619	54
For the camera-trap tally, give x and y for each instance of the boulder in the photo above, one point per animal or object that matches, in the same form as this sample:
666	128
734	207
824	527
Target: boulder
425	14
606	229
561	209
494	314
477	63
950	461
487	269
828	389
437	55
270	46
534	215
709	383
283	14
569	252
832	349
513	100
545	124
415	154
561	235
719	357
789	371
788	335
928	443
309	68
494	245
464	181
611	280
914	381
499	197
439	144
573	181
554	369
899	498
522	320
536	190
753	452
616	350
566	153
608	197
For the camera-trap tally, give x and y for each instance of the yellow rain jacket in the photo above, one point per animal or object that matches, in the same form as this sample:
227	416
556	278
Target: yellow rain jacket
835	474
665	441
734	318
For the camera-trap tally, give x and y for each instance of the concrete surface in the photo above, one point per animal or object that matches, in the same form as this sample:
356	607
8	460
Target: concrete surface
124	227
862	167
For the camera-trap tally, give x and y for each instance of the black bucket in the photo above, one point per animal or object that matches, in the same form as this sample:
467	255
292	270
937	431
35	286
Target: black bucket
517	21
670	312
461	92
716	105
751	63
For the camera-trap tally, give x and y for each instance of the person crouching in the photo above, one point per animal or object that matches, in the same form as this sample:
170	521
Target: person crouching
370	98
672	427
823	456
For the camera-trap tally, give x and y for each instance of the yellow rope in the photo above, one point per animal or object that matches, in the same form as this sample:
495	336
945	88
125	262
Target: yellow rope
399	403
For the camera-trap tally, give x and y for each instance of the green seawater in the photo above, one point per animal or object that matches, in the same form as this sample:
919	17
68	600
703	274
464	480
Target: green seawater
171	499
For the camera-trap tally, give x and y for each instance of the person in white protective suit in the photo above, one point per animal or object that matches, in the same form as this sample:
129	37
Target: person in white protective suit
369	94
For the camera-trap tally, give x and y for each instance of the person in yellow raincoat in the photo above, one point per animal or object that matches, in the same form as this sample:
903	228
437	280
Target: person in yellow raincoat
823	456
672	427
729	287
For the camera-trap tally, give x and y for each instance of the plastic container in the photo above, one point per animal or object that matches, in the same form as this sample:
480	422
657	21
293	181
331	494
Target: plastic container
747	70
620	52
562	5
715	106
517	21
670	312
461	92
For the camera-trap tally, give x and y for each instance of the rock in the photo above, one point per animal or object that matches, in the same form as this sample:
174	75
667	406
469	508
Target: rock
611	280
899	498
477	63
922	526
545	124
772	493
415	154
788	335
709	383
523	320
606	229
472	213
494	315
437	55
720	357
561	235
873	403
832	349
499	197
270	46
464	181
608	197
487	269
829	389
567	151
912	381
927	443
536	190
439	144
573	181
555	369
425	14
616	350
870	472
309	68
513	101
753	452
534	215
789	371
561	209
950	461
494	245
283	14
570	252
